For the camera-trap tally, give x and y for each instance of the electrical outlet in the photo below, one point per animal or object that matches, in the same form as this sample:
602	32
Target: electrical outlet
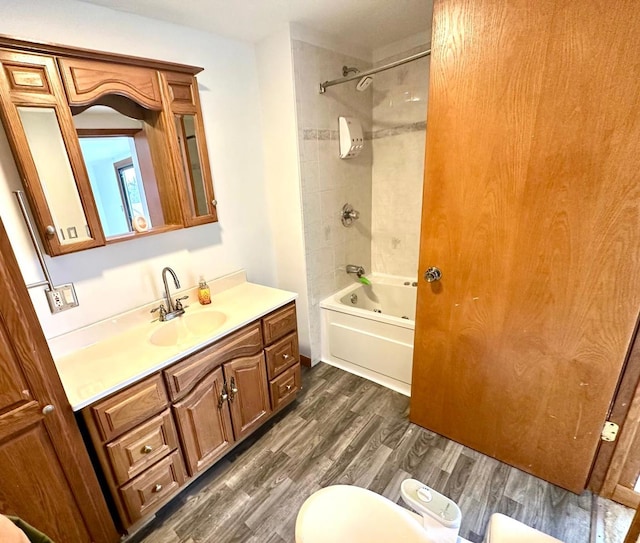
61	298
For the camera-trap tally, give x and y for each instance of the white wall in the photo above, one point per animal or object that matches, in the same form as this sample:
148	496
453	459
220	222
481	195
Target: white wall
282	171
398	137
112	279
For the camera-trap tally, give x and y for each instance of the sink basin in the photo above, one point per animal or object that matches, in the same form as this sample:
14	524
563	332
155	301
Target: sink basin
190	327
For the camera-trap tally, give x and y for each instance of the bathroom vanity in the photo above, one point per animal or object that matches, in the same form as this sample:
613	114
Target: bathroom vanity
164	401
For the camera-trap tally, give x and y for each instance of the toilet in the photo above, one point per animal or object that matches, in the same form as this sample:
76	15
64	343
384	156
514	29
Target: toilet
344	513
353	514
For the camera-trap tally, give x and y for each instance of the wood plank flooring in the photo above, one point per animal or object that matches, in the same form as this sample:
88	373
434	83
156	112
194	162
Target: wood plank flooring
346	430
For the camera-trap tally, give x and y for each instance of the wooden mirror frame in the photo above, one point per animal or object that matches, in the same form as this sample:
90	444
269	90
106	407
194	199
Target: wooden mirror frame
48	75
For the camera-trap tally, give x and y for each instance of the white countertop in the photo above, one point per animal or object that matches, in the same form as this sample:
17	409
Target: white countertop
110	364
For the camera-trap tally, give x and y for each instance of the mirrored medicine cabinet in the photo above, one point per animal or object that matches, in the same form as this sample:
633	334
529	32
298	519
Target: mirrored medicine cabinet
109	147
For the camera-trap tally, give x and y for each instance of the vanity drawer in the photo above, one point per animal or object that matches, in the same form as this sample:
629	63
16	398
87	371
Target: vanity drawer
183	376
284	388
142	447
130	407
153	487
279	323
281	355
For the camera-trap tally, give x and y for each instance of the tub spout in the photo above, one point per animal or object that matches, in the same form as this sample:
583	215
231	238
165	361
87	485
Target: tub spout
358	270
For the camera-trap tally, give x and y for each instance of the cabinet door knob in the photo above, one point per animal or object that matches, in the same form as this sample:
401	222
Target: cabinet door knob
223	396
48	409
147	449
285	356
233	389
50	231
157	488
214	202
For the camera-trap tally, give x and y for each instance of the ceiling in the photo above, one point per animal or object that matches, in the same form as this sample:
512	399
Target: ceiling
367	23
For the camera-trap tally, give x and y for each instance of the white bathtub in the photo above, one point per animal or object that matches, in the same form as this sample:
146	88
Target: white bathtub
375	345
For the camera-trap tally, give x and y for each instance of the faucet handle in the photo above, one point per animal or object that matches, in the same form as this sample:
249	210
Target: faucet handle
179	305
162	311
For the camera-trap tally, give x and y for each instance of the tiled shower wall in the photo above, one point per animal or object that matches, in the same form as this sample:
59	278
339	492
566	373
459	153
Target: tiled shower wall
327	181
399	127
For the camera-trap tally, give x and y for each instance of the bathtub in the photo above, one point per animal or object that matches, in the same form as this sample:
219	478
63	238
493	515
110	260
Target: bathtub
369	330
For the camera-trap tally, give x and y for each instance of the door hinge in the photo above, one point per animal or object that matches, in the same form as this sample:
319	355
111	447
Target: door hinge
610	431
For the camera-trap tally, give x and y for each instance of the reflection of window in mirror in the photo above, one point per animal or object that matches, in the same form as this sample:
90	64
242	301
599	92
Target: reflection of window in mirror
118	161
131	191
186	129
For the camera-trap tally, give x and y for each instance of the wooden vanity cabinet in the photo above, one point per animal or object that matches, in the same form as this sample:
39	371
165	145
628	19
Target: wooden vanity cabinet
157	435
229	400
204	423
135	439
283	356
248	393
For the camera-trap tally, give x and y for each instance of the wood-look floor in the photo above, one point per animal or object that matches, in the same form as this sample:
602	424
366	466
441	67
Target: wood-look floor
346	430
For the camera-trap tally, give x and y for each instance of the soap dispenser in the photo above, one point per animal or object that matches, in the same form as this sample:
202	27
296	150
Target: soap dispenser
204	293
351	139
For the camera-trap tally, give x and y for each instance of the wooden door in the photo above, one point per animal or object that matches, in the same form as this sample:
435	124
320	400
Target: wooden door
204	423
248	393
45	472
531	211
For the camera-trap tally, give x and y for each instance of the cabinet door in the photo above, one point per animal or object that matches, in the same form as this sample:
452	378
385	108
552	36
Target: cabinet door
248	393
40	129
188	145
45	472
204	423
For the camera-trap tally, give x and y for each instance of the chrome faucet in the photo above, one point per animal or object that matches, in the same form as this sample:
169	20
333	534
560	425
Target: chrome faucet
173	309
358	270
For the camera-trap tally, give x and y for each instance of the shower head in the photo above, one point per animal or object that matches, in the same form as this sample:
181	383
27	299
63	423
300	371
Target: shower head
364	83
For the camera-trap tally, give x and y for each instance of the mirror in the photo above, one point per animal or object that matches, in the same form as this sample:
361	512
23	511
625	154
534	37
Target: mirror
49	153
187	137
109	147
120	169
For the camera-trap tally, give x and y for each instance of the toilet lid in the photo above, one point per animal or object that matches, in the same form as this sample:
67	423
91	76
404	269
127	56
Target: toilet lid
351	514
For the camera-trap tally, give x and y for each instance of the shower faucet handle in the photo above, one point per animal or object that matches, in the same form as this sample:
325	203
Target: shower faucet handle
348	215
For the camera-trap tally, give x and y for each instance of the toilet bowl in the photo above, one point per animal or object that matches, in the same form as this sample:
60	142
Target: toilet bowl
343	513
350	513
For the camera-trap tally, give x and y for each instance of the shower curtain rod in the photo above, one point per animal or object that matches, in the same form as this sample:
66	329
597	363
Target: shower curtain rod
360	75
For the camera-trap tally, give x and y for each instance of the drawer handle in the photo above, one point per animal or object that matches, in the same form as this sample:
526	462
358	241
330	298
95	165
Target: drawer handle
147	449
288	387
285	356
157	488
